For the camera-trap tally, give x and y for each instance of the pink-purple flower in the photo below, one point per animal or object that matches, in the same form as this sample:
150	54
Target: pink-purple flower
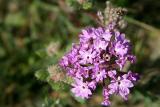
81	89
120	86
87	56
100	55
99	75
106	101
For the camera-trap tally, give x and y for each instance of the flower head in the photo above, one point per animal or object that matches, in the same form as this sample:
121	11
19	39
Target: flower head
100	55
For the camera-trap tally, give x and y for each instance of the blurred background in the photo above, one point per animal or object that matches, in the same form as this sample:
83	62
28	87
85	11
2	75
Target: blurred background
27	27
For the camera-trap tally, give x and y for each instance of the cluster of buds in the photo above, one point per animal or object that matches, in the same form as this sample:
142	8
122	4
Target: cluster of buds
99	59
112	15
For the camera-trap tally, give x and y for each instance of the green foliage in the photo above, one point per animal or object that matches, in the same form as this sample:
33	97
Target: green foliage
87	5
15	19
49	102
57	86
42	75
41	53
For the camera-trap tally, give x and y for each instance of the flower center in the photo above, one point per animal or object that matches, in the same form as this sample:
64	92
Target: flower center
119	82
83	87
87	57
106	57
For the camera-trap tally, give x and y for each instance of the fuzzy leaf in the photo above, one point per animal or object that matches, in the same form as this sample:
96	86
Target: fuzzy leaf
42	75
56	85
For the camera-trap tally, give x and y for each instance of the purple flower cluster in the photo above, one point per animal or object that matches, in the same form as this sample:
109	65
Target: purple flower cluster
99	58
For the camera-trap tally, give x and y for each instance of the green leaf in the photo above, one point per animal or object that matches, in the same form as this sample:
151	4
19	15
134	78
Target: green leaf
42	75
68	80
57	85
41	53
49	102
87	5
80	100
16	19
